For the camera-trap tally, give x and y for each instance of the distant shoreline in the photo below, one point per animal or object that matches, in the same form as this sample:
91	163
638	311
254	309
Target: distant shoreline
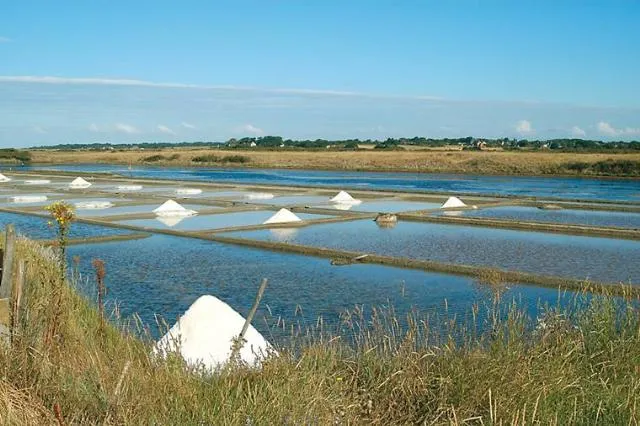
468	163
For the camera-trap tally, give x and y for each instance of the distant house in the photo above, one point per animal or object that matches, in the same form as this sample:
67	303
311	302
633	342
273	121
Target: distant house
281	145
481	145
253	145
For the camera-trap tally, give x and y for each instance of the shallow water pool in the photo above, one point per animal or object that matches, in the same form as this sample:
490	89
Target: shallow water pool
216	221
601	259
578	217
384	206
135	209
163	275
38	228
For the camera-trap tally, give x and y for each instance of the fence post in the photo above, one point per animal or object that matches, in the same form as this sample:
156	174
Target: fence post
17	294
6	284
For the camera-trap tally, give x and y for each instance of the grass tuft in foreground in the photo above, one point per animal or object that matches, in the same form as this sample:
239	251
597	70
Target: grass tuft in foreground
576	365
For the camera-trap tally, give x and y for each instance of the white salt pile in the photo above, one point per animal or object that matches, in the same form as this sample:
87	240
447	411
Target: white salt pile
258	196
282	216
29	198
130	187
204	336
79	183
93	205
3	178
188	191
343	197
453	202
172	209
37	182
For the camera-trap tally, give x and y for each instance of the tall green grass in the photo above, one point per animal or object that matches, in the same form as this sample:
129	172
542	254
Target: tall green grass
578	364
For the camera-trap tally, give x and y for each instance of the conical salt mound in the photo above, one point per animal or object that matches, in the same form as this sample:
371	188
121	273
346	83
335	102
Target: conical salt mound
205	334
283	216
171	208
3	178
453	202
342	196
258	196
79	183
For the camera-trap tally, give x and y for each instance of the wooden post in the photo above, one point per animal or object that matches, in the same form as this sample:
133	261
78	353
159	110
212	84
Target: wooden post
17	293
254	308
6	285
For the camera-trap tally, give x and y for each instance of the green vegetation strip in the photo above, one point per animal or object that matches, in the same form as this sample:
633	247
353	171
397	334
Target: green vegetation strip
608	232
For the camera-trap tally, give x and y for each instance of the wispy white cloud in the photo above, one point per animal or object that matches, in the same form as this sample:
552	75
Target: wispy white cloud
524	127
5	40
578	132
39	130
608	130
127	128
93	127
188	125
164	129
250	129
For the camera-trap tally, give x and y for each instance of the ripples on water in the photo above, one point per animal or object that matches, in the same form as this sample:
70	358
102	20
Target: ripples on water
601	259
562	187
164	275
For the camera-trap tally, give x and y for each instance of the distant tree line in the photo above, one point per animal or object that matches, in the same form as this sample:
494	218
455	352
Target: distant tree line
276	142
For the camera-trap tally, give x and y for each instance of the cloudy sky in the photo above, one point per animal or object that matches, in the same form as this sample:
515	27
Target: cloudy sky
168	71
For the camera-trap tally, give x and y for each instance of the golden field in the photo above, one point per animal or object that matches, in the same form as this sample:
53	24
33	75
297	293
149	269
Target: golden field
470	162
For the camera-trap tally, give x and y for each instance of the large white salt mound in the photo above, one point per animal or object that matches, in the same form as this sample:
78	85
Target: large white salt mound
79	183
258	196
3	178
37	181
93	205
282	216
453	202
188	191
28	198
343	197
171	208
130	187
204	335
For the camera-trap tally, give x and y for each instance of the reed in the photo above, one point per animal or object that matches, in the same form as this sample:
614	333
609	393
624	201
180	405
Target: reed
576	364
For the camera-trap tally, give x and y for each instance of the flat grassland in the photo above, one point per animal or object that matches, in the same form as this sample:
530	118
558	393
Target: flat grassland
427	161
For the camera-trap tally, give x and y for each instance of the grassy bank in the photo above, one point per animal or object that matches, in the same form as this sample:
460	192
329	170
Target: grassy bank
577	366
468	162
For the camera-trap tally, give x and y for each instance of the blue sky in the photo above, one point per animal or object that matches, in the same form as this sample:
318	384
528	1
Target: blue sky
83	71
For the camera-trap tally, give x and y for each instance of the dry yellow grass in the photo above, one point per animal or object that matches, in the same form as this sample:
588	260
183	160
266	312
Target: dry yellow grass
495	162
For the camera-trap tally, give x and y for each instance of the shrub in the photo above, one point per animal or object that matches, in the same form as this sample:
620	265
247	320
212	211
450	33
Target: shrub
153	158
210	158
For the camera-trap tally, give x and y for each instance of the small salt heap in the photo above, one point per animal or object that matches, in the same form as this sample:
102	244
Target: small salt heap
79	183
205	334
258	196
172	209
93	205
453	202
282	216
3	178
130	187
344	198
37	182
29	198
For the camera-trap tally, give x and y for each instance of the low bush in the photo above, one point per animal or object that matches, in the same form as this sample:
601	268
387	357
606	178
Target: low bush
210	158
